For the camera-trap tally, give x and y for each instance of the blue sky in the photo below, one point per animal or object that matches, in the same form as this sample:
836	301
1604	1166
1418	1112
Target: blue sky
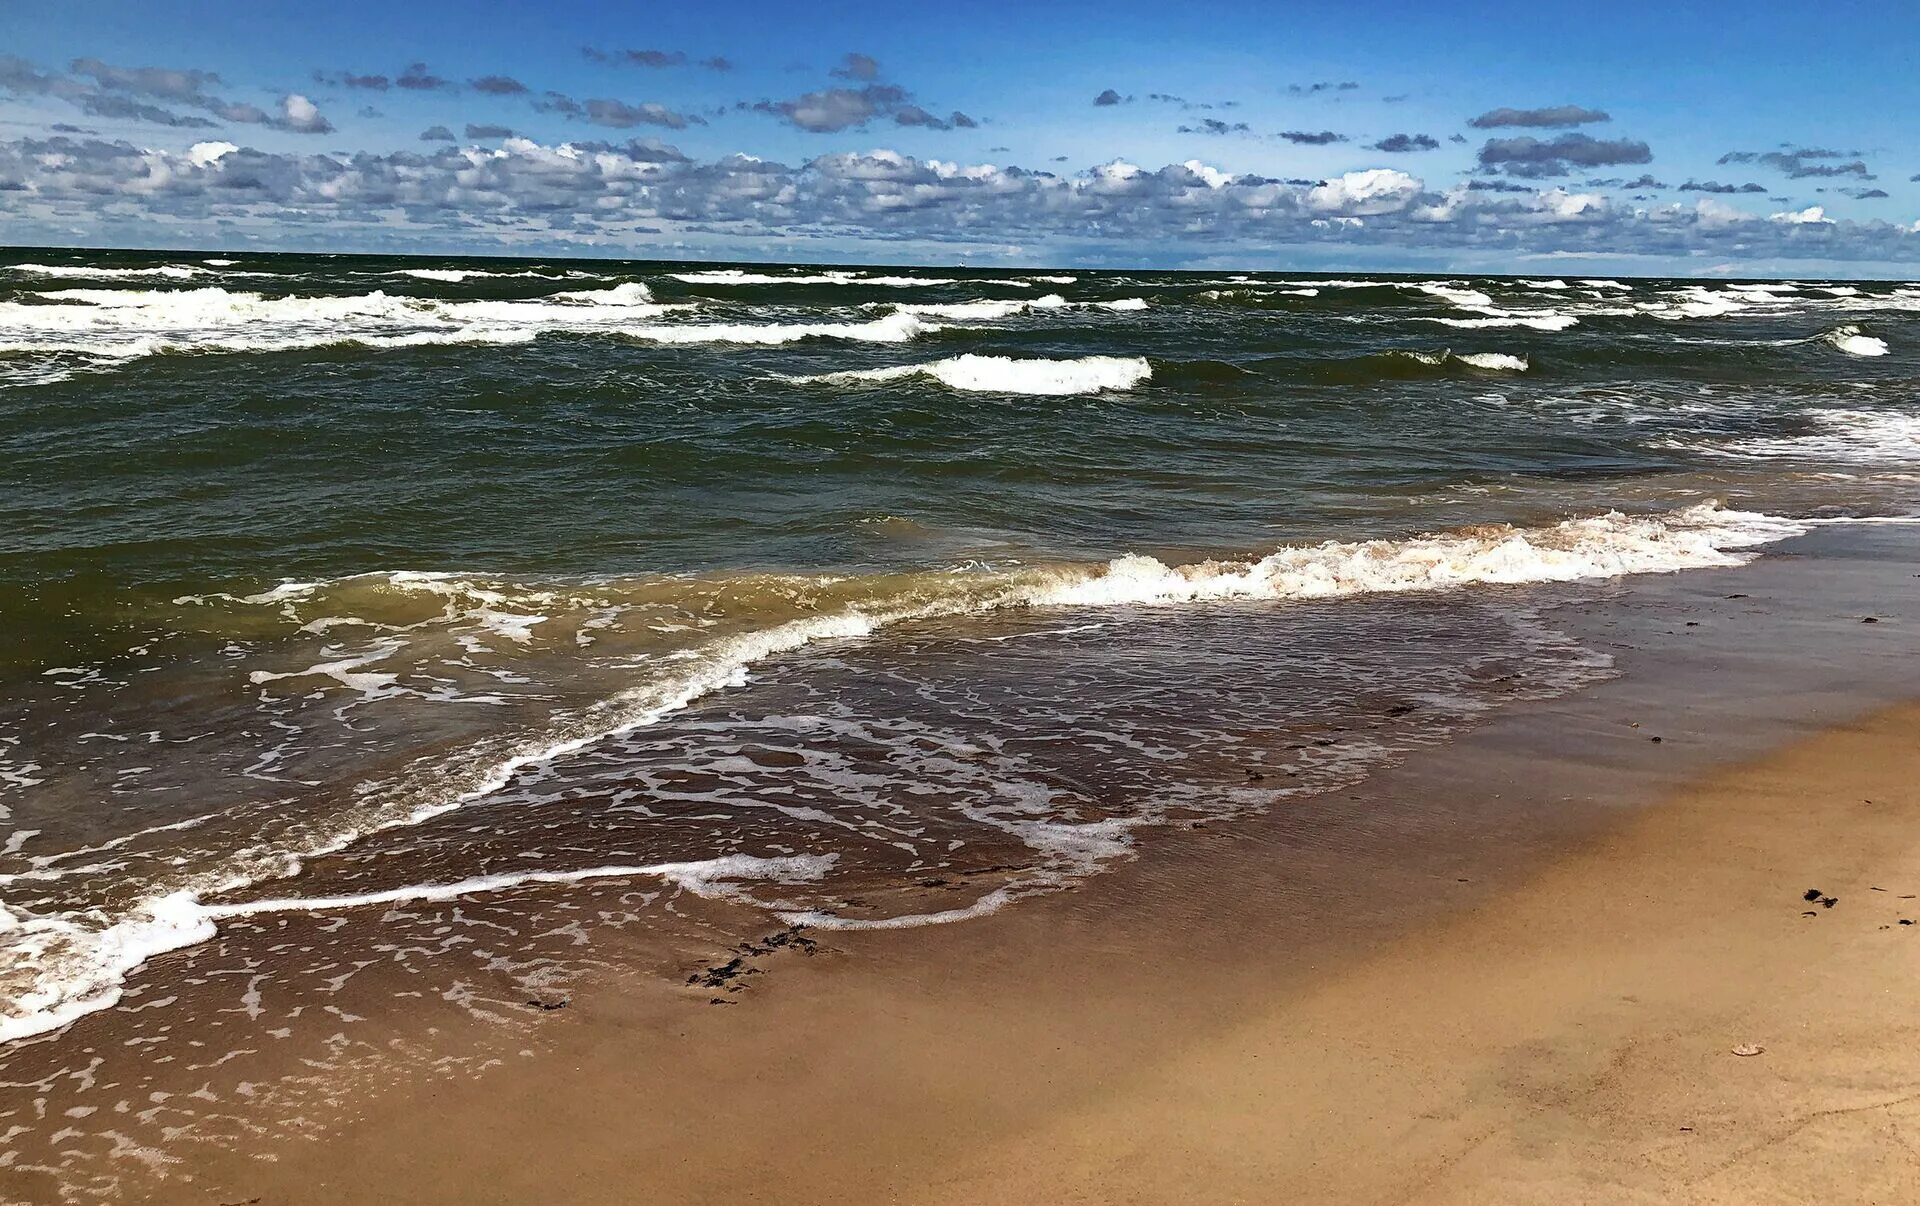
1612	110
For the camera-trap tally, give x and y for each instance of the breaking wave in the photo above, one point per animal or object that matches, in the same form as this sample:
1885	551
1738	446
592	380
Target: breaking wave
116	325
1848	339
1008	375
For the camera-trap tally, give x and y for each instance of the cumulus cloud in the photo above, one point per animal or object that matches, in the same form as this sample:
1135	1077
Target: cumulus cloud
487	132
1400	144
1110	97
1365	194
436	134
1534	157
106	90
302	115
1312	138
831	110
613	194
1554	117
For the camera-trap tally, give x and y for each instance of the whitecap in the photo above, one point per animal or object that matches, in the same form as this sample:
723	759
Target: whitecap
1008	375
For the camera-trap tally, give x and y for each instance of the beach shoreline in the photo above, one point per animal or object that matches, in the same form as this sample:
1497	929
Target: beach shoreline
1514	967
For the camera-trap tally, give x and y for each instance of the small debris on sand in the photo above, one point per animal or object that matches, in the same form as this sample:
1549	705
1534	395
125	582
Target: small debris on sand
1812	894
1748	1049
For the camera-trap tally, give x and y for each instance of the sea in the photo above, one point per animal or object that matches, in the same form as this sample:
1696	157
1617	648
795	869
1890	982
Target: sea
393	638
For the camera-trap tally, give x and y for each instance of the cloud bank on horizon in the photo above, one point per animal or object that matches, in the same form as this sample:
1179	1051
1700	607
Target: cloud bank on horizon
611	145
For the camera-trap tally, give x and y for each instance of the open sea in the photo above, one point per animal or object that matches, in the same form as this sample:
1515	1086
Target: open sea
381	636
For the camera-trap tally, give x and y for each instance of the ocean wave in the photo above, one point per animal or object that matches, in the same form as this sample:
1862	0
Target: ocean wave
110	326
1539	322
454	276
1494	362
175	272
1856	437
1246	295
1008	375
57	968
893	328
997	308
1849	340
736	276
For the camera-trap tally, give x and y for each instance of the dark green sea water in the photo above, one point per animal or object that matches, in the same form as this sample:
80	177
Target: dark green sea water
335	582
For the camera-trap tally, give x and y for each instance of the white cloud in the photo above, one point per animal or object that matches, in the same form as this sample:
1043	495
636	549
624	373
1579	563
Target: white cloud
206	154
643	194
302	114
1812	215
1374	191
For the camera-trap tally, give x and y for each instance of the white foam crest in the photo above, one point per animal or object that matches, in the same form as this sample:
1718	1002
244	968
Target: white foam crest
1254	294
988	310
175	272
1860	437
1008	375
893	328
1539	322
1849	340
631	293
456	275
1605	546
1499	362
1466	299
124	324
736	276
61	968
997	308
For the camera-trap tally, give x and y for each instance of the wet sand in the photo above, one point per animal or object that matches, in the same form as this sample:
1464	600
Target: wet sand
1515	969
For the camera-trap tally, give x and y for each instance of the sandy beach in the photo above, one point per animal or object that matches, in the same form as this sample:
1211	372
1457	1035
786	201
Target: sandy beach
1473	996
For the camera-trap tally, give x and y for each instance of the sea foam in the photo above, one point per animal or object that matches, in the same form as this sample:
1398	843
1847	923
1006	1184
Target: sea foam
59	968
1008	375
117	325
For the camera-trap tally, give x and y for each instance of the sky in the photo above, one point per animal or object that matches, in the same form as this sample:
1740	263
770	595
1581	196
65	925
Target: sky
1600	137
